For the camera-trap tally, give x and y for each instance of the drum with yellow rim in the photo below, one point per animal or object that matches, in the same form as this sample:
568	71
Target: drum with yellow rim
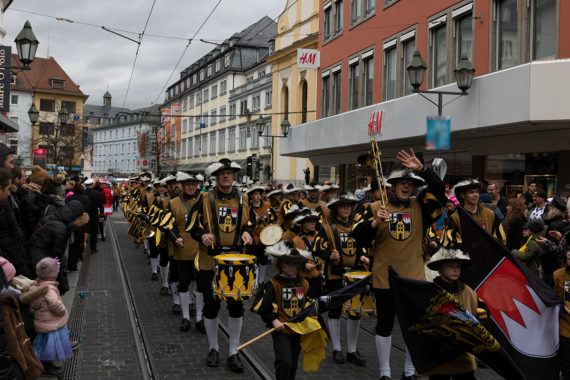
234	276
363	304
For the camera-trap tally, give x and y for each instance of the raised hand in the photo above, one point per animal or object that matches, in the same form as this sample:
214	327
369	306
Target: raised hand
409	160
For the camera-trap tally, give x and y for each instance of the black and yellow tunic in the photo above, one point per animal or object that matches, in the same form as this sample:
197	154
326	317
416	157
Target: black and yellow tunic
181	208
226	216
486	219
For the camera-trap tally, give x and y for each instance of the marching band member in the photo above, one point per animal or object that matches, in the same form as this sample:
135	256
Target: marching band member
186	248
313	202
259	211
220	221
305	239
395	234
340	250
291	198
275	197
153	249
173	189
162	201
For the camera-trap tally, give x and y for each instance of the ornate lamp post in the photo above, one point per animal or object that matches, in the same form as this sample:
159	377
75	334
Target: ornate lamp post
260	124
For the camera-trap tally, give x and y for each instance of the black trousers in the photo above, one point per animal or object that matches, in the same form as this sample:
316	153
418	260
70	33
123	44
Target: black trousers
76	250
564	357
334	312
164	258
93	230
172	270
385	310
212	304
152	248
185	274
115	203
287	348
459	376
315	287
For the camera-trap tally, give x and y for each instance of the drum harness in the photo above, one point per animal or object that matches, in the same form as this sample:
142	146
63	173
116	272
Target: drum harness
216	227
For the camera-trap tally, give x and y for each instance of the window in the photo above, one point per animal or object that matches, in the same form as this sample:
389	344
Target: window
409	47
206	95
209	70
438	54
198	147
69	106
353	88
199	98
355	11
369	80
57	84
47	105
544	29
214	118
250	79
227	60
337	88
390	73
13	144
304	102
68	130
254	139
195	78
46	128
243	107
202	74
183	148
327	21
464	37
214	91
325	99
256	102
231	140
191	102
213	142
268	99
286	103
13	79
223	85
232	114
338	16
507	30
369	6
242	138
205	143
184	126
222	114
190	147
14	99
218	65
221	141
184	104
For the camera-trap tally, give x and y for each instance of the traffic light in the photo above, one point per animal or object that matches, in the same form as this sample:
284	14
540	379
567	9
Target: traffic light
249	169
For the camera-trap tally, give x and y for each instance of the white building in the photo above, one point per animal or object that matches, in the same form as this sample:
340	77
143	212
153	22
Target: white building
20	142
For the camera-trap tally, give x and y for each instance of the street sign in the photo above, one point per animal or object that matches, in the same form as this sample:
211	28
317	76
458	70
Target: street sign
202	125
5	74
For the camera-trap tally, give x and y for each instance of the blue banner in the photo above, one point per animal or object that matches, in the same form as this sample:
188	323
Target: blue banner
438	133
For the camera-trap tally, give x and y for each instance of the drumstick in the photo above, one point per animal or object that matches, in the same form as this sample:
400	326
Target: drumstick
209	225
259	337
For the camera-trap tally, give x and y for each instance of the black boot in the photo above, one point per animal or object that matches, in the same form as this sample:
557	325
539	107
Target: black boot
213	358
200	326
338	357
235	364
185	326
355	358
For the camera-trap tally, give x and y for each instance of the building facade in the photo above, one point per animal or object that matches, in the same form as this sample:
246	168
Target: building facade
201	124
513	125
126	143
294	90
52	90
21	97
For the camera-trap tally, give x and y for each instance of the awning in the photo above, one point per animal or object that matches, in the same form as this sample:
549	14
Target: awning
7	125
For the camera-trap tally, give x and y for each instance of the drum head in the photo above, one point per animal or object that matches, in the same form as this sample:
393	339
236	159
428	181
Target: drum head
271	234
234	259
355	276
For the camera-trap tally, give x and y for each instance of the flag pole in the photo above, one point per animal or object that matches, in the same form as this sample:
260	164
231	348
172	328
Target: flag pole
259	337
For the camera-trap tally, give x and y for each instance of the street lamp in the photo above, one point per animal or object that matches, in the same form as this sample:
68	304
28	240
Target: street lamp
260	124
33	114
27	45
62	115
463	74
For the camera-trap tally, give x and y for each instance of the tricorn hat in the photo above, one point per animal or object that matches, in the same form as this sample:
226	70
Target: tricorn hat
287	252
291	189
306	216
446	255
342	199
467	184
224	163
183	177
167	179
274	192
255	187
399	175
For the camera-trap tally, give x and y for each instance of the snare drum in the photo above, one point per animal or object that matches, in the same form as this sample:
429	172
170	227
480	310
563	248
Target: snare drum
234	276
363	304
271	234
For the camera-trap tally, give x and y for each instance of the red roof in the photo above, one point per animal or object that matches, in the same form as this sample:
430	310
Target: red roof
38	78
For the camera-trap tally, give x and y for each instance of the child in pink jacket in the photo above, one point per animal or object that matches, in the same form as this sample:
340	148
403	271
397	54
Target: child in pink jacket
50	317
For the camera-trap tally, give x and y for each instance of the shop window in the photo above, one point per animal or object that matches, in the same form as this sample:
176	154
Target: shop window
544	30
438	54
325	96
506	34
390	72
353	84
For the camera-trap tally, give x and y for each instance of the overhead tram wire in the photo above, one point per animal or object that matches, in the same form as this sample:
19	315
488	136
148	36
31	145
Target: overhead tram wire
137	52
186	49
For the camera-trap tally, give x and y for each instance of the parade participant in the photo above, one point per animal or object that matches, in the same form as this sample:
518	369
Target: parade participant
107	208
290	198
259	211
305	240
373	188
95	209
186	248
116	191
530	251
274	309
341	252
467	192
220	221
275	198
325	191
167	265
151	197
562	288
313	201
449	263
395	234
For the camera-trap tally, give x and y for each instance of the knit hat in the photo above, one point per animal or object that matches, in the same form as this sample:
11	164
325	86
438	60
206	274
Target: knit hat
8	269
534	225
47	268
39	176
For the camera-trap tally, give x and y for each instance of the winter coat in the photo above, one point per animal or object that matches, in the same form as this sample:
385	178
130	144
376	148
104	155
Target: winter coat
108	195
95	205
15	344
85	202
530	257
514	236
50	238
35	206
4	152
12	240
50	312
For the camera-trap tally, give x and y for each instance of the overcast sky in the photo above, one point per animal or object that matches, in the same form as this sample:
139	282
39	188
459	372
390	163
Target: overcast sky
94	58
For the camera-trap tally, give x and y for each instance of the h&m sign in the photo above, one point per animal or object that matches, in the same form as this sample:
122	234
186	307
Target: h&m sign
308	59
